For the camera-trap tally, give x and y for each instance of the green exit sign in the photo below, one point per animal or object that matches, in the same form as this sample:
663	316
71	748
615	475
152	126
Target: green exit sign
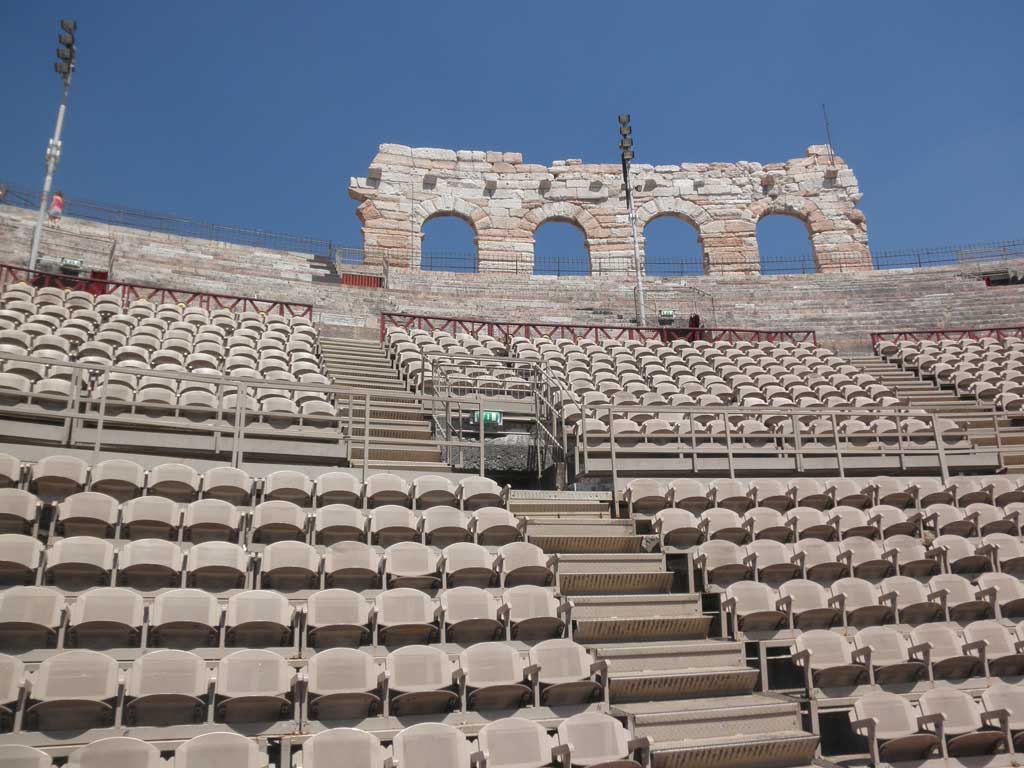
489	417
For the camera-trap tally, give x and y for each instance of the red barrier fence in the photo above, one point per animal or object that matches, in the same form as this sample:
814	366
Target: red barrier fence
129	292
957	334
666	334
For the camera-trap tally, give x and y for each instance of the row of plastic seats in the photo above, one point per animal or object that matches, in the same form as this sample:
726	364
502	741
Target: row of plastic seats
720	562
589	738
54	477
104	618
79	562
751	433
683	528
78	689
751	607
881	655
90	513
647	495
137	308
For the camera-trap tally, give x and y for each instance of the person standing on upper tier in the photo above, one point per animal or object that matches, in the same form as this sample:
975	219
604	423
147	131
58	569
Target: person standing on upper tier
56	207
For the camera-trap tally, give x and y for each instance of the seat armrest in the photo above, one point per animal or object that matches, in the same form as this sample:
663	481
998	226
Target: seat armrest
640	747
561	755
862	653
478	760
532	673
868	724
936	719
977	645
838	600
751	561
599	669
785	604
889	597
922	649
803	658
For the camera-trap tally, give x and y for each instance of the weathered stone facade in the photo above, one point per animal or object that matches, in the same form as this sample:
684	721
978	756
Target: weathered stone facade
505	200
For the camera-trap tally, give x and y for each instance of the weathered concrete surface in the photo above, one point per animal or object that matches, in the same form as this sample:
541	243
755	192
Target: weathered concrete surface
504	200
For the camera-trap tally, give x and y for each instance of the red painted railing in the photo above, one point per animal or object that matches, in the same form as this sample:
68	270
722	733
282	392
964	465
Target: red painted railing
131	291
665	334
1011	332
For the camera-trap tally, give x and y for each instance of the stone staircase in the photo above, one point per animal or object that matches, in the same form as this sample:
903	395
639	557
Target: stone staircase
362	366
927	395
695	696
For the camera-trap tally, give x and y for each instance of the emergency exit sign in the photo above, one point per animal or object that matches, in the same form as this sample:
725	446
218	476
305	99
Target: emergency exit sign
488	417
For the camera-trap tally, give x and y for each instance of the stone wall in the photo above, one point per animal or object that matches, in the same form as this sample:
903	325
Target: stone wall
504	200
843	308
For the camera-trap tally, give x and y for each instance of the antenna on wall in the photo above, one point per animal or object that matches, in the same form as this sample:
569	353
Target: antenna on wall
828	136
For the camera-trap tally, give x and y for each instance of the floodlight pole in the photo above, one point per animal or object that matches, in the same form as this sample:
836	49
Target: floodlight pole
626	145
52	158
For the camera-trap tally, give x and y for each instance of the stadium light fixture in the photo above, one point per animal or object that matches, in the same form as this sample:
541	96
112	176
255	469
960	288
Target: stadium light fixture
63	66
626	147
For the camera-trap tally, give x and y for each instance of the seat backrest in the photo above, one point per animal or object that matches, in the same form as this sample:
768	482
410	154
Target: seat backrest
351	554
751	596
278	512
959	589
82	549
342	670
957	707
168	672
337	606
216	511
253	672
1000	641
113	604
404	606
76	674
516	741
154	508
491	664
114	752
908	591
826	649
1007	586
894	716
429	744
464	603
858	593
410	558
151	552
561	659
360	748
521	554
1001	695
720	552
290	554
218	553
887	645
595	737
217	749
185	605
32	605
465	554
419	668
259	605
805	594
945	642
528	601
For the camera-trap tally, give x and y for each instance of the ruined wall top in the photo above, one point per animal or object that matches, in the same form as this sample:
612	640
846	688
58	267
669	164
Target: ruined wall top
505	199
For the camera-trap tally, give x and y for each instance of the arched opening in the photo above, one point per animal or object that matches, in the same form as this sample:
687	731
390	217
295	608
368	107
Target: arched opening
448	244
784	244
560	248
672	248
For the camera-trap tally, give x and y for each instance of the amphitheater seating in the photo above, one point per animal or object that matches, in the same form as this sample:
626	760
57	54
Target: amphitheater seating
988	370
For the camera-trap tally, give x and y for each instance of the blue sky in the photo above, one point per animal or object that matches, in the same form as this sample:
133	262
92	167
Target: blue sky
257	113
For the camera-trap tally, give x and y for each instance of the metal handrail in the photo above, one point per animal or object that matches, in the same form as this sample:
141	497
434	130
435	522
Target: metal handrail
10	273
935	334
84	407
507	330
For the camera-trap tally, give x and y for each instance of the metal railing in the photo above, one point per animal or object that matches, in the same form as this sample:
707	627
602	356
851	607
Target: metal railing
89	418
992	443
131	291
508	330
659	266
935	334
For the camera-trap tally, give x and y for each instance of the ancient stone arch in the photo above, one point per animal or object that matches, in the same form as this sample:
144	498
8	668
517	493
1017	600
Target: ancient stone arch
506	199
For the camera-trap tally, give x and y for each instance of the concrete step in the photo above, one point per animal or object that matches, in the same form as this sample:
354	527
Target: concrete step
660	671
747	731
602	619
613	574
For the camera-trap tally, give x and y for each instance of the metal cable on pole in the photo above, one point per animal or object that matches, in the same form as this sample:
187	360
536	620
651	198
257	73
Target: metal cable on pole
626	145
64	66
